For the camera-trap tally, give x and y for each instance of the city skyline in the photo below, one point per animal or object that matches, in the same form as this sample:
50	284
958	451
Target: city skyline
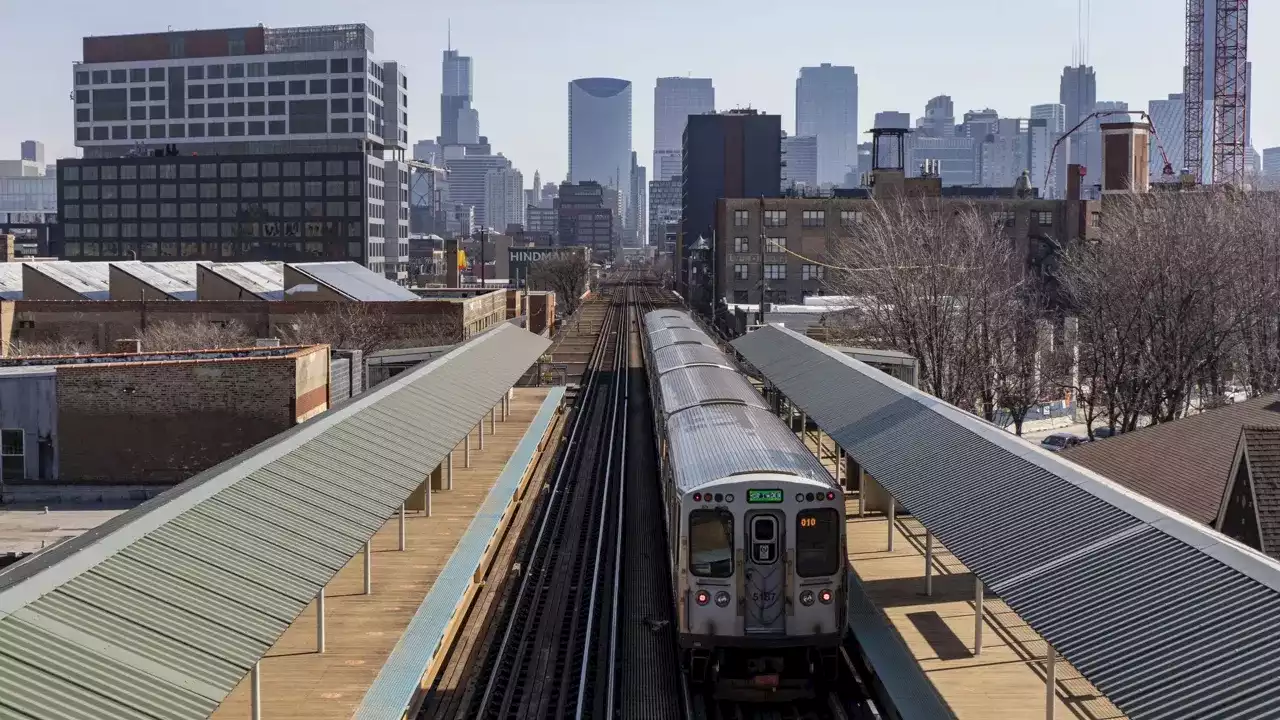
524	120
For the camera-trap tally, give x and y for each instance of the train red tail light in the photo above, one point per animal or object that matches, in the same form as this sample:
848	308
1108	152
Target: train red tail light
831	496
825	596
697	497
703	597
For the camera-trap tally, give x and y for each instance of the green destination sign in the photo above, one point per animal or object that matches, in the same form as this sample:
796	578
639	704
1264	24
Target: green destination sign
764	496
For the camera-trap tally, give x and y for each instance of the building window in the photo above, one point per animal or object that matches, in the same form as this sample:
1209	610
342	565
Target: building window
775	245
814	218
1095	219
741	218
776	271
775	218
741	272
1044	218
811	272
741	245
849	217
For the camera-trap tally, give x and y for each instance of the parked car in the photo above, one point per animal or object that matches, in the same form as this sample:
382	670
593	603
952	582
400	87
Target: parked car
1060	441
1100	433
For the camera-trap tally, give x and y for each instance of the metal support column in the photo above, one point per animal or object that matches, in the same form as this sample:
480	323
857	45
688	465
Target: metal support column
505	407
839	466
862	492
804	428
368	568
493	420
893	514
320	621
428	490
977	616
466	451
928	563
1050	679
255	692
448	472
480	432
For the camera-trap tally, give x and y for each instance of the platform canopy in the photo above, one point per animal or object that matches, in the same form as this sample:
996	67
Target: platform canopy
1167	617
162	610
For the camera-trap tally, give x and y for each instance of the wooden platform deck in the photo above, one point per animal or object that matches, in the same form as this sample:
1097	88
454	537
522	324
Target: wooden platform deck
299	683
1006	681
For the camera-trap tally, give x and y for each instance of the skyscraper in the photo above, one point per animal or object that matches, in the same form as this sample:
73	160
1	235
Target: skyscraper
33	150
1168	120
633	232
1078	93
504	198
827	108
455	100
674	100
1054	115
939	118
600	135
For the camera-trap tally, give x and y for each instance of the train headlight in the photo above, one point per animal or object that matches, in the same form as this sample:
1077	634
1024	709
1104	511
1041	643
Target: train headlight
806	598
722	599
825	596
703	597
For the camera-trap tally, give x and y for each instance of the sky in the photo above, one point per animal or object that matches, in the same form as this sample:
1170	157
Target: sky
1002	54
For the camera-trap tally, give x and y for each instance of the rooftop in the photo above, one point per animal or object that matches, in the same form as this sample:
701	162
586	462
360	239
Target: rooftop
150	357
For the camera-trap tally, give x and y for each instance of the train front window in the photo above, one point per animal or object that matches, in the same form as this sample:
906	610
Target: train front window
711	543
818	551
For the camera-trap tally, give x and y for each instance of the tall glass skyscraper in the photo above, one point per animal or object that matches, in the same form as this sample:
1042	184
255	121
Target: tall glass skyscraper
674	100
827	108
600	135
455	99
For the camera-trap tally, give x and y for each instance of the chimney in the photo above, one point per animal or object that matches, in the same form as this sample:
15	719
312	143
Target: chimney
10	252
127	345
1125	149
1075	176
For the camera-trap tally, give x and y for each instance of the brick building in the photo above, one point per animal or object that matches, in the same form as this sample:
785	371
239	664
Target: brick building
151	418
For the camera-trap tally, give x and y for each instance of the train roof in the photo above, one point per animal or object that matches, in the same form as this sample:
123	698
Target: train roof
672	357
692	386
712	442
679	335
659	317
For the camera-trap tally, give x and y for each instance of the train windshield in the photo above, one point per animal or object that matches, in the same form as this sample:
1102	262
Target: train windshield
711	543
818	551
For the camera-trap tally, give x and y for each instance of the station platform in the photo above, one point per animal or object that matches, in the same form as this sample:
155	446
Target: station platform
363	630
1005	681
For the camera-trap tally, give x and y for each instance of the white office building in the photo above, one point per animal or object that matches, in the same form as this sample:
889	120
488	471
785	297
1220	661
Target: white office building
674	100
1054	115
827	108
504	198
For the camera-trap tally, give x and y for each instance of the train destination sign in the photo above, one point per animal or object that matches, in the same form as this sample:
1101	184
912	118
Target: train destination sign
764	496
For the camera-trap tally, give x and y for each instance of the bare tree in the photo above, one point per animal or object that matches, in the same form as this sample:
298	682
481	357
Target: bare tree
170	335
563	273
50	347
1025	368
932	278
345	325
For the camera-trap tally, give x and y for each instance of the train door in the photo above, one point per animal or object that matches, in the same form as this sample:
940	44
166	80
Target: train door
765	574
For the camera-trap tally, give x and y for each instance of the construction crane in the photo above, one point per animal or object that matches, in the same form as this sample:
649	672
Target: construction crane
1166	171
1214	90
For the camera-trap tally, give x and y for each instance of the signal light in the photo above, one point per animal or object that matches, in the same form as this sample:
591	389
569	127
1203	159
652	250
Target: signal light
697	497
831	496
825	596
703	597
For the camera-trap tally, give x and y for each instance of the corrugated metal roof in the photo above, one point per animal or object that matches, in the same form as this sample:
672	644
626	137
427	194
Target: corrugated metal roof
688	387
263	279
159	612
663	319
90	279
1166	617
715	441
676	336
677	356
354	280
175	279
11	280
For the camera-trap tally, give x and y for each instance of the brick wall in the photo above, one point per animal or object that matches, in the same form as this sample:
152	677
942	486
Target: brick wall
104	322
164	422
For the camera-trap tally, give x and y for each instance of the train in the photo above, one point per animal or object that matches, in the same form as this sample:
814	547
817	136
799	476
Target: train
755	526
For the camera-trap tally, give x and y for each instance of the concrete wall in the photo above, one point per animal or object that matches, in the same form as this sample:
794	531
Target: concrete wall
104	322
311	396
162	422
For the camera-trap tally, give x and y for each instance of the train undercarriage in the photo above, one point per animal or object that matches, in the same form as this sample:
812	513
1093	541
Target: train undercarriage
753	675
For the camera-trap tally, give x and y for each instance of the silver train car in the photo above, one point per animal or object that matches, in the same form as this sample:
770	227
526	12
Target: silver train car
755	525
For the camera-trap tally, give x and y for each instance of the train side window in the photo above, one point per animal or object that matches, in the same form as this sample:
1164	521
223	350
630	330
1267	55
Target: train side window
818	551
711	543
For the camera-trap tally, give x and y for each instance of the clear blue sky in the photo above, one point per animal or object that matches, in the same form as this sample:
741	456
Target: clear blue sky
1004	54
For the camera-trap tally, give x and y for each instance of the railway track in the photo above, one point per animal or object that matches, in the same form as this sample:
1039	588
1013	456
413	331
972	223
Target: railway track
551	657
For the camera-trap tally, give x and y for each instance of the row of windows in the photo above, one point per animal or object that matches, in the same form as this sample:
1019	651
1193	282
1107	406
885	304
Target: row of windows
771	245
146	211
208	170
203	230
205	249
213	190
808	218
816	543
157	93
778	271
229	129
219	71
